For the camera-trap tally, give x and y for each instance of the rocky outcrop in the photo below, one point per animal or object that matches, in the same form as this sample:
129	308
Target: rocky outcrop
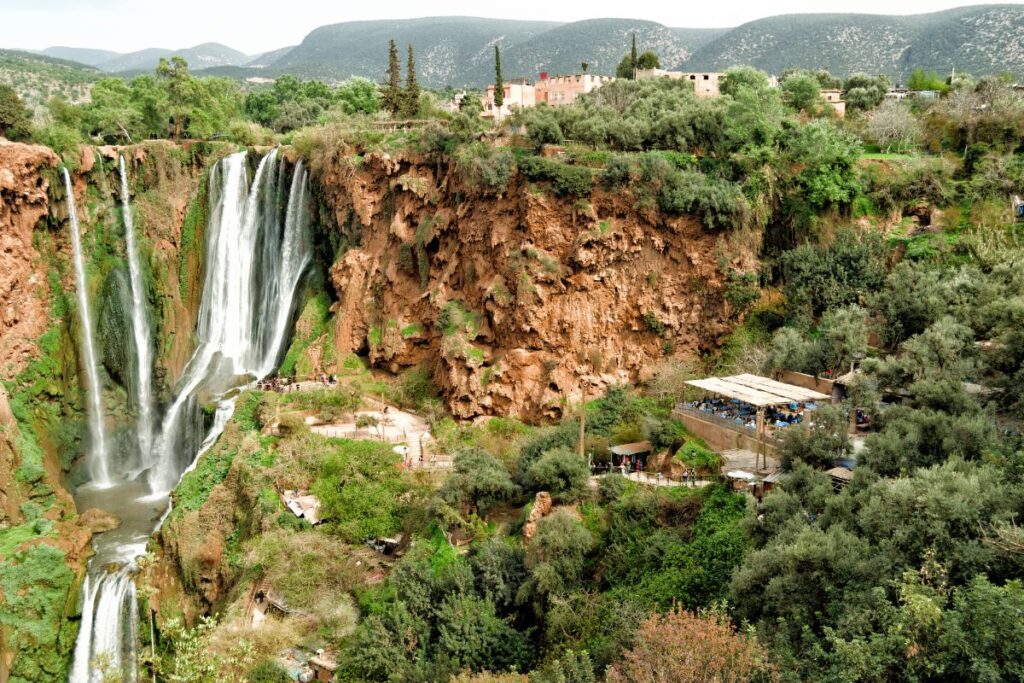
517	300
541	508
24	203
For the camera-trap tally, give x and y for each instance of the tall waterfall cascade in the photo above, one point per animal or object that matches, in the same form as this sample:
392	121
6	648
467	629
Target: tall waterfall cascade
98	454
258	248
140	327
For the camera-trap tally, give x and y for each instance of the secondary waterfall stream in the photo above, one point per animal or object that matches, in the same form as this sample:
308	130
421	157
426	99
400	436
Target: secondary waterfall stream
140	327
258	247
99	467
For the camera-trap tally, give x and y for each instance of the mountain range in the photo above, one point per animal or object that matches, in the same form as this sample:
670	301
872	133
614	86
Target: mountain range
459	51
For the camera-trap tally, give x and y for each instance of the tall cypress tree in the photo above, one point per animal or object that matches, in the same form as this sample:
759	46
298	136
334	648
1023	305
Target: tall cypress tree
412	88
499	82
393	94
633	57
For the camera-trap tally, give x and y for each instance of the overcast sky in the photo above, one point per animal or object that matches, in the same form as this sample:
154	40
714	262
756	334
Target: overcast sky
258	25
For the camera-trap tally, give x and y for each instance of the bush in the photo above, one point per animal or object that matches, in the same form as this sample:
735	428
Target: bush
618	171
478	480
61	139
361	490
699	457
486	167
719	203
610	488
560	472
267	671
680	647
567	180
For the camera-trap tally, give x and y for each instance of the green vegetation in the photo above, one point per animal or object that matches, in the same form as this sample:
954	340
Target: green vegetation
361	490
36	584
37	79
14	116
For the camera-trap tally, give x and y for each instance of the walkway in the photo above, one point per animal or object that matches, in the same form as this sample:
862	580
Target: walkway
654	480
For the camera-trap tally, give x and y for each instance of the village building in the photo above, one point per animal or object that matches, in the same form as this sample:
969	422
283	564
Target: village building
518	94
705	84
897	94
835	99
562	90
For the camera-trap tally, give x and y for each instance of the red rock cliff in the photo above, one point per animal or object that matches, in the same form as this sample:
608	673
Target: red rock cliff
515	300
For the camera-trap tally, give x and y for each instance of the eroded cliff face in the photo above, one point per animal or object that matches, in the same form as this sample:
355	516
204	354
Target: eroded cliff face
516	301
44	540
24	203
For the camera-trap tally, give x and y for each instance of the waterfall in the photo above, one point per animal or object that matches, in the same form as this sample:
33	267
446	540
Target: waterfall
258	247
140	328
110	623
99	469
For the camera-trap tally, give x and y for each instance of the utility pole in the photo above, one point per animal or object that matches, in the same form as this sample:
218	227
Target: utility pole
583	415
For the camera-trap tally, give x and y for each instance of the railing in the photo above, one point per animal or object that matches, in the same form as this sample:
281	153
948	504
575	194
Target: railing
726	423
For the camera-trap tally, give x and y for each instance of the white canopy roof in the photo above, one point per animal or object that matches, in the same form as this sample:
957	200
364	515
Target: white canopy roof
758	391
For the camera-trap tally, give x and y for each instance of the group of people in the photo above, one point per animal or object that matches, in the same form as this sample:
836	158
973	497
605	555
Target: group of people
279	384
745	415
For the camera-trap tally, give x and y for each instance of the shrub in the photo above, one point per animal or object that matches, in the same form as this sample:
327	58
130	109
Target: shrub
680	647
561	472
699	457
267	671
566	180
479	480
718	202
486	167
617	171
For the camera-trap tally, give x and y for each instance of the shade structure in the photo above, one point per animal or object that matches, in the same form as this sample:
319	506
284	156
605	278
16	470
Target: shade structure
757	390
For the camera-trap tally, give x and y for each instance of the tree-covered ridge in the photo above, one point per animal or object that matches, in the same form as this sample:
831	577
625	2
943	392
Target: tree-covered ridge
37	78
983	39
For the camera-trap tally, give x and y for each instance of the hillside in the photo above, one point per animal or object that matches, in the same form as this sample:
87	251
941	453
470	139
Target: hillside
82	55
980	40
449	50
37	78
458	51
600	42
265	59
198	57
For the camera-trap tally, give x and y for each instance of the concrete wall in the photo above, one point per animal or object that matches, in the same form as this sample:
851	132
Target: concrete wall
719	437
806	381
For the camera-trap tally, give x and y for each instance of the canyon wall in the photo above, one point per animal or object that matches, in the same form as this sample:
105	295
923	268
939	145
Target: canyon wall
517	300
44	541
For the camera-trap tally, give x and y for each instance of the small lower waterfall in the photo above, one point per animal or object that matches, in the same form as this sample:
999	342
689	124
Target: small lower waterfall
258	247
140	327
109	613
99	467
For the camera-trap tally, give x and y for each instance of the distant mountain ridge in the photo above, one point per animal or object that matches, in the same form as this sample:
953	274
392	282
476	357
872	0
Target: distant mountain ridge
981	39
459	51
202	56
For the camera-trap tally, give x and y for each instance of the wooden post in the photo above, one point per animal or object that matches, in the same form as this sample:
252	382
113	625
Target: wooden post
760	438
152	645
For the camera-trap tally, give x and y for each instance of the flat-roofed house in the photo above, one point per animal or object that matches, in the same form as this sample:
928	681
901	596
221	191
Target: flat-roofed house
561	90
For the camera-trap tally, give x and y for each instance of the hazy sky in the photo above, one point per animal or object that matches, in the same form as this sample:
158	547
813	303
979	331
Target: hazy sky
259	25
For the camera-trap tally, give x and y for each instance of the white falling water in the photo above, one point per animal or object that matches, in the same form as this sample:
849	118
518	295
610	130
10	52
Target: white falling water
110	616
140	327
257	250
99	467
